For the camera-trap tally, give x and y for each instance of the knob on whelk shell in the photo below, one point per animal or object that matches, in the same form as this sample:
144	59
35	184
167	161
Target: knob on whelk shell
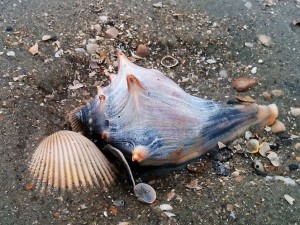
67	160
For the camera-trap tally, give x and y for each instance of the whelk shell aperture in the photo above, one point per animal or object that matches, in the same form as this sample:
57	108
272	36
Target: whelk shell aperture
67	160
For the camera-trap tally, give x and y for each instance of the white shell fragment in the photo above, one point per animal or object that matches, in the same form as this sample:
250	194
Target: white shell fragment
264	148
295	111
145	193
289	199
252	146
165	207
273	157
278	127
34	49
258	166
67	160
169	214
265	40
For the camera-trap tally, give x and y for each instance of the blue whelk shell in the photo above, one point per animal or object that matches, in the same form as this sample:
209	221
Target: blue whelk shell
67	160
154	122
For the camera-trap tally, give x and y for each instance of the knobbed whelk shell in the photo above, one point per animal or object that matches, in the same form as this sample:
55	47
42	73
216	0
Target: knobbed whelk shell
67	160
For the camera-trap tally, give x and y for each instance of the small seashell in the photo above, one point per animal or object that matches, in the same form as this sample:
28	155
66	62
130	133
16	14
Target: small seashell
34	49
273	157
142	50
165	207
169	214
46	37
289	199
211	61
277	92
295	111
170	195
112	32
245	99
145	193
264	148
252	146
157	5
258	166
248	135
254	70
278	127
169	61
266	95
98	28
67	160
221	145
11	54
265	40
243	83
91	48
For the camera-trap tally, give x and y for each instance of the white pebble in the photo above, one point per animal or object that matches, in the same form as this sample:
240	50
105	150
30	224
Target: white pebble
254	70
211	61
260	61
248	44
165	207
11	54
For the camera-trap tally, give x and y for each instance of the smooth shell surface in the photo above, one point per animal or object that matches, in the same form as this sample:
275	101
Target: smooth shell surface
154	122
67	160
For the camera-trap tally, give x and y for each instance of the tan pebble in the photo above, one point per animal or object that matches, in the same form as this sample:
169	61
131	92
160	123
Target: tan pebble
265	40
298	158
46	37
277	127
34	49
112	32
266	95
297	146
56	214
243	83
295	111
142	50
277	93
245	99
29	186
98	28
170	195
113	210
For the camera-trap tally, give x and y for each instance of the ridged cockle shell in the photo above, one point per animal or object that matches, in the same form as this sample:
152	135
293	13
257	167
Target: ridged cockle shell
154	122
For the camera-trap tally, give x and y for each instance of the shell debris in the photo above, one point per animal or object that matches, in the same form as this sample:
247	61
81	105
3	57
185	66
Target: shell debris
289	199
67	160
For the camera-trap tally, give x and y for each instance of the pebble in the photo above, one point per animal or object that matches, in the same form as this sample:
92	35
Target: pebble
142	50
249	44
11	54
266	95
297	146
112	32
278	127
293	167
277	93
295	111
222	155
248	5
223	73
91	48
158	5
221	169
9	29
265	40
273	157
46	37
243	83
254	70
260	61
211	61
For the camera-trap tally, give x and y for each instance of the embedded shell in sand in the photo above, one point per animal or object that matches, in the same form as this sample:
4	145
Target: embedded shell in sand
67	160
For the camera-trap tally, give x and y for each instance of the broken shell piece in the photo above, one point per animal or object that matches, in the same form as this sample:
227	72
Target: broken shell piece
273	157
165	207
46	37
91	48
278	127
252	146
169	214
296	22
258	166
248	135
243	83
295	111
67	160
145	193
265	40
169	61
264	148
221	145
289	199
112	32
34	49
245	99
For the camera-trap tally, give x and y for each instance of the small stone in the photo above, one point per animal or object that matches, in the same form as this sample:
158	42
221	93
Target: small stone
248	5
273	157
260	61
258	166
113	210
34	49
243	83
142	50
278	127
29	186
118	202
248	44
98	28
248	135
46	37
277	92
112	32
265	40
254	70
221	169
211	61
245	99
56	214
293	167
91	48
11	54
289	199
158	5
223	73
9	29
295	111
297	146
266	95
